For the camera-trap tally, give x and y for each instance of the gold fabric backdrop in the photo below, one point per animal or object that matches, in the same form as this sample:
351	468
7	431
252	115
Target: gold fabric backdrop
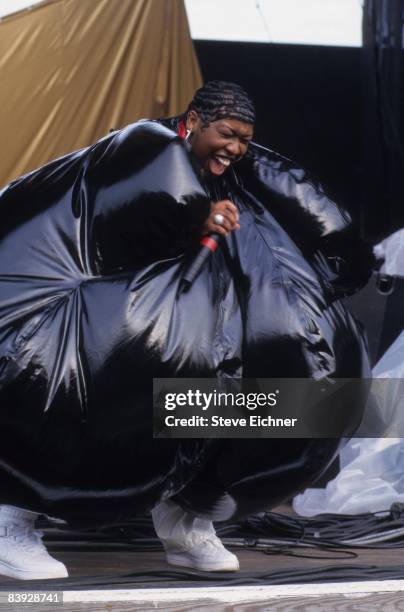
70	70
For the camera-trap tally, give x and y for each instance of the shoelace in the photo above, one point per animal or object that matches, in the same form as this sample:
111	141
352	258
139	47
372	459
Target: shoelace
202	540
30	540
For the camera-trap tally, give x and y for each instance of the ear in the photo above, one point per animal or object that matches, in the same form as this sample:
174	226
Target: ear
192	120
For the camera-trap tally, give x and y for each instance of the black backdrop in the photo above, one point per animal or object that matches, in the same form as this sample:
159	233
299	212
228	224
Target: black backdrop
308	101
338	111
319	106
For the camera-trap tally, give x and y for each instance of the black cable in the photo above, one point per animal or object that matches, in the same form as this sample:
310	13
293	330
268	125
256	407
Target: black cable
323	537
184	578
324	531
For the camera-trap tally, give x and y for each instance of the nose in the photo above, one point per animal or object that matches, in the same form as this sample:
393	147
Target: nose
235	148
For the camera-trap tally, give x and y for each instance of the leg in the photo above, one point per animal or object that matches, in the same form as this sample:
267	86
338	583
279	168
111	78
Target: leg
190	541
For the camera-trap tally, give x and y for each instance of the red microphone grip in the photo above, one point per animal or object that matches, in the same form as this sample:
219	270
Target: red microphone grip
209	245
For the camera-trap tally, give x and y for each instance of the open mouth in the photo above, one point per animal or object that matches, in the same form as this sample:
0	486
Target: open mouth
218	164
223	160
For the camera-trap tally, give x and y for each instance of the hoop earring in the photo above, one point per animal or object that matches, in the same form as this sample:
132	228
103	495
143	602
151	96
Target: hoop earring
188	134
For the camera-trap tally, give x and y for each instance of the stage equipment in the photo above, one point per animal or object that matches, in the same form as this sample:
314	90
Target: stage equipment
383	119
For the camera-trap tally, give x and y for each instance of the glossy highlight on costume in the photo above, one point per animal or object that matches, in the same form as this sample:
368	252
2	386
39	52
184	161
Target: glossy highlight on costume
93	247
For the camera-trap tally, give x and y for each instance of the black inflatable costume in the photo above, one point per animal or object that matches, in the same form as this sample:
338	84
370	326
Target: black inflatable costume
92	250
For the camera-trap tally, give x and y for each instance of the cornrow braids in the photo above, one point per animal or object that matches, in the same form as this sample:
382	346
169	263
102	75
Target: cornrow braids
222	100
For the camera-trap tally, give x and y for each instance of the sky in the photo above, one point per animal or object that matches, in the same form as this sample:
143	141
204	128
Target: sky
318	22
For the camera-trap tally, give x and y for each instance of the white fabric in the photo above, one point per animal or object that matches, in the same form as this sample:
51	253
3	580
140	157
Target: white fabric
190	541
392	249
369	482
372	469
174	525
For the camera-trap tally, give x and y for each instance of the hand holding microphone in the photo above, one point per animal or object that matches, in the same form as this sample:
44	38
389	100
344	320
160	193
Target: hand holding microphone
223	219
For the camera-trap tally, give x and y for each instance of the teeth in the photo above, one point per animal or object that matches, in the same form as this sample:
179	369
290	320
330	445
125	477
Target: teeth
223	160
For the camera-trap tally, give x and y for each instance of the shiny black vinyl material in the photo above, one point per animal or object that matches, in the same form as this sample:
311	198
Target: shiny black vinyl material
92	250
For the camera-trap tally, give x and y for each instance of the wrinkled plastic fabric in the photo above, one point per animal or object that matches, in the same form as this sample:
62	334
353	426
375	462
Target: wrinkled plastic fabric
371	480
371	476
92	251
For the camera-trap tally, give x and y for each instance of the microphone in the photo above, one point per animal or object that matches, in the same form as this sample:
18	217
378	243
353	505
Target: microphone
209	245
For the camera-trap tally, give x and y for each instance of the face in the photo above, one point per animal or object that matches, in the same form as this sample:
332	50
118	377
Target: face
219	144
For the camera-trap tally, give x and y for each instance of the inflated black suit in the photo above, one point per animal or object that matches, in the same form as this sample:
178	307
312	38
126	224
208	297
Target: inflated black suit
93	246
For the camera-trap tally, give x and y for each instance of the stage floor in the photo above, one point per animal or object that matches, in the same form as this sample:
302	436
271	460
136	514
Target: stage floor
356	597
101	580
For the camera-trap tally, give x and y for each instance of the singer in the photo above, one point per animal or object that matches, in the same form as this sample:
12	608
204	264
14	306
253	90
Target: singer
93	247
219	127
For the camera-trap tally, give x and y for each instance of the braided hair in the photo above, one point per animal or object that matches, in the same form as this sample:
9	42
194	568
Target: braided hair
222	100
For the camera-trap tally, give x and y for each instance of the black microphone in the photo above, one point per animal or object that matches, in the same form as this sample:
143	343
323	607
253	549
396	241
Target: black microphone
209	245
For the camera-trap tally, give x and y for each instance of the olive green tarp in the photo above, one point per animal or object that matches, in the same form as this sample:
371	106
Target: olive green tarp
71	70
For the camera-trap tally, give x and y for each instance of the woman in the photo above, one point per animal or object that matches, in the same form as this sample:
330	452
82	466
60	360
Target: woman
92	259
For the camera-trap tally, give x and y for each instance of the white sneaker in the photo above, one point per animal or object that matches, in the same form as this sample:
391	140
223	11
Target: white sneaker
190	541
22	553
209	556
